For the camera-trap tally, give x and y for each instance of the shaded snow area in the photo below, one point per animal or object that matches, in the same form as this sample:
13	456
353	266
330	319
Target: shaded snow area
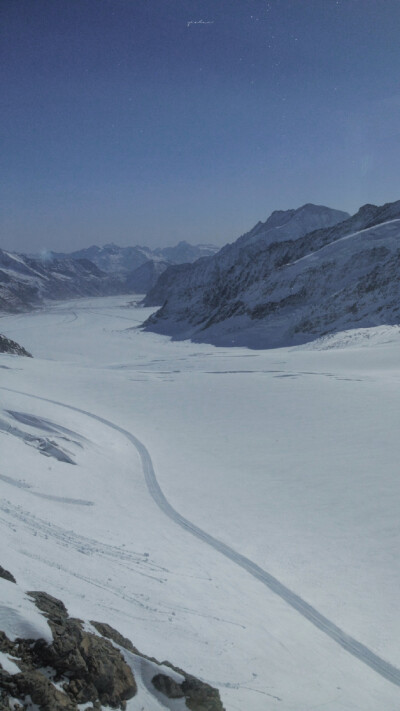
19	618
232	511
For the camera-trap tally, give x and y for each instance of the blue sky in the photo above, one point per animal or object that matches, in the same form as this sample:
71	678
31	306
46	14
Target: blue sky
152	121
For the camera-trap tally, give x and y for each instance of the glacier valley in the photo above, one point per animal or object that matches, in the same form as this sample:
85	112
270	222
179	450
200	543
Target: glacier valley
146	482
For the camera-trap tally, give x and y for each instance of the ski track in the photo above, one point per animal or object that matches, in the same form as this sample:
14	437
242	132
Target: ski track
348	643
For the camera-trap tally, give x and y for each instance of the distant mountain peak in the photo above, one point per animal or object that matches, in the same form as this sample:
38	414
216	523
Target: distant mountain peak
293	223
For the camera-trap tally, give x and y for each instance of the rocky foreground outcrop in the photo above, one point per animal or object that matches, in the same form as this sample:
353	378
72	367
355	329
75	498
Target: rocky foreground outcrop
86	663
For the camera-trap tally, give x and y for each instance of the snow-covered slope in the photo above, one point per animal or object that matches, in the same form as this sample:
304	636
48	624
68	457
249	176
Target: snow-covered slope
283	284
286	460
25	281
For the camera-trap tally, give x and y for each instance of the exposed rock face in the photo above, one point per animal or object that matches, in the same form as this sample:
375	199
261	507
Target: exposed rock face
95	669
167	686
282	284
34	684
88	667
198	695
6	575
110	633
9	346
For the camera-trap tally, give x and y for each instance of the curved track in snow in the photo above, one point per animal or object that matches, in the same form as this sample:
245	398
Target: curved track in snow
351	645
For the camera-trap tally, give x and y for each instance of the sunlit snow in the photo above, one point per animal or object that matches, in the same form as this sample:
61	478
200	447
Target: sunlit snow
288	457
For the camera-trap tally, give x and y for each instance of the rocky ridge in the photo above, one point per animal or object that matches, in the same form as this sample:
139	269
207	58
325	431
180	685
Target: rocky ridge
9	346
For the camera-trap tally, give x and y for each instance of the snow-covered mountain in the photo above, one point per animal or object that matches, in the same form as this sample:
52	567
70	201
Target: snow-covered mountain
25	281
287	280
111	258
124	260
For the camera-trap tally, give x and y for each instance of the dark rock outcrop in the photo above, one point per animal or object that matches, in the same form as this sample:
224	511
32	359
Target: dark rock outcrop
198	695
94	668
87	667
38	687
6	575
110	633
9	346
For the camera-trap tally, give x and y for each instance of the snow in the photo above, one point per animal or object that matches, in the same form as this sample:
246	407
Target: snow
288	457
8	665
18	615
147	696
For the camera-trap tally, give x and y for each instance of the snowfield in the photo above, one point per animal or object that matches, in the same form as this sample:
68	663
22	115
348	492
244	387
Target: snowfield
233	511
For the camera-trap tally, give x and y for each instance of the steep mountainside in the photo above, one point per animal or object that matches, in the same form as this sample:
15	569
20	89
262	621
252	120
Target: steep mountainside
145	277
25	281
283	284
281	226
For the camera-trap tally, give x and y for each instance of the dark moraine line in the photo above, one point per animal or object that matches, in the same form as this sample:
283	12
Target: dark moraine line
351	645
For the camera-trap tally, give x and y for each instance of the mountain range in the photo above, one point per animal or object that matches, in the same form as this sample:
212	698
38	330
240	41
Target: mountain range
301	274
113	259
25	281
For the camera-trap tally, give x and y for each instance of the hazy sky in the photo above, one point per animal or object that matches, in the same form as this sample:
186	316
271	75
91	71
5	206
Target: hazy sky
152	121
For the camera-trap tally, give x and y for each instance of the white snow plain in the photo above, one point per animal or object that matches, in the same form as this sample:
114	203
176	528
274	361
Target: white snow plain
288	457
